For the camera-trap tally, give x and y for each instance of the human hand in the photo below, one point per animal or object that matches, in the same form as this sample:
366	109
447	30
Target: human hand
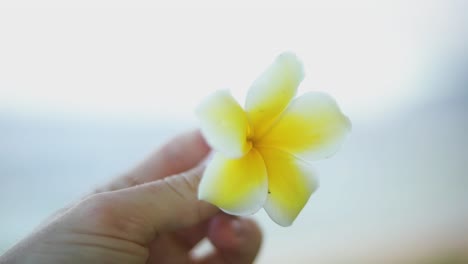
149	215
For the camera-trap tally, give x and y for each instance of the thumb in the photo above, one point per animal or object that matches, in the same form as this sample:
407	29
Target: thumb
142	212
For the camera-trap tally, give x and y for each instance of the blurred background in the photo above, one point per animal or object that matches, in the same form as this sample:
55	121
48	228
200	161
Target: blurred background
85	94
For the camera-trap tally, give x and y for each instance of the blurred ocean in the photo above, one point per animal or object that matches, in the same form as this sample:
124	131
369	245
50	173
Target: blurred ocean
397	188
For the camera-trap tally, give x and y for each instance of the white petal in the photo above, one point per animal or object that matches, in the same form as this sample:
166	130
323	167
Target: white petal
236	186
224	124
312	128
272	91
290	184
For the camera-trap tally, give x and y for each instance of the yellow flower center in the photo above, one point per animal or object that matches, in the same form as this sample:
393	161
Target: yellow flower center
249	139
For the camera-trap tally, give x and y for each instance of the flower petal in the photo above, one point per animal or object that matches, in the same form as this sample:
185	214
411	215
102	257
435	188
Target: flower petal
290	184
237	186
224	124
272	91
312	128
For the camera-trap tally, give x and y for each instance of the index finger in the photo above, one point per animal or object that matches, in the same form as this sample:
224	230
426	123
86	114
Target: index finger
180	154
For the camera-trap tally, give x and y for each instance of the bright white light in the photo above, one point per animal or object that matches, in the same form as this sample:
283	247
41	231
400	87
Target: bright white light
163	62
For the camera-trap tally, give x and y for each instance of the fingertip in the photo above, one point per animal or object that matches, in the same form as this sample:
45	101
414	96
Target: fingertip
196	137
180	154
250	235
238	238
224	231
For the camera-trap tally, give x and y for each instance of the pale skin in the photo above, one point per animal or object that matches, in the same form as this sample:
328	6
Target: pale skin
149	215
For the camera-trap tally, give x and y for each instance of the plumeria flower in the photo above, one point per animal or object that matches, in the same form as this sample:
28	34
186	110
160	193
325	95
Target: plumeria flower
262	152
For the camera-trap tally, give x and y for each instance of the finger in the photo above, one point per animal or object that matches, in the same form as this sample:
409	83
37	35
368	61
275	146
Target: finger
180	154
175	247
237	240
191	236
142	212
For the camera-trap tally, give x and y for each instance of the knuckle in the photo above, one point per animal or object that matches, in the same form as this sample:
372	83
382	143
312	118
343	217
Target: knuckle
106	213
98	209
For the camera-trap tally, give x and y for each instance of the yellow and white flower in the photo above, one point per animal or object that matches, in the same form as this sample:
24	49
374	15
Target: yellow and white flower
262	152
